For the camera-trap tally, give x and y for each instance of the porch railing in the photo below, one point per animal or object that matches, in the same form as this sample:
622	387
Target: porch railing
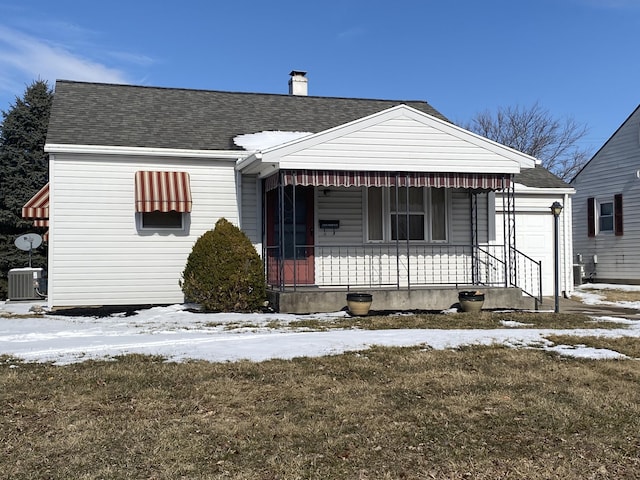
387	266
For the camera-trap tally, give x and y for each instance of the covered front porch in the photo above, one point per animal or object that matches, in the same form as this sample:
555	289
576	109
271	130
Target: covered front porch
399	201
398	234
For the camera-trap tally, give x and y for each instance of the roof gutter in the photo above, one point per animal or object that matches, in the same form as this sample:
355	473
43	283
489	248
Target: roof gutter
142	151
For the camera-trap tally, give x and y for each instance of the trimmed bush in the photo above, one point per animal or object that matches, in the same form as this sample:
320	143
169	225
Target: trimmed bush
224	273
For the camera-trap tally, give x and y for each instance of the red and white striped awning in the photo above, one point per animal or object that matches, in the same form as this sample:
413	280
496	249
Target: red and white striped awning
38	205
340	178
163	192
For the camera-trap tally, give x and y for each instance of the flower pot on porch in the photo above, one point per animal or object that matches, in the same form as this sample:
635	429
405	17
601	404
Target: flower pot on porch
471	301
359	303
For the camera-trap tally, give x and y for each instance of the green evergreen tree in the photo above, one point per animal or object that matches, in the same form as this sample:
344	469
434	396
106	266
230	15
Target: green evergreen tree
24	170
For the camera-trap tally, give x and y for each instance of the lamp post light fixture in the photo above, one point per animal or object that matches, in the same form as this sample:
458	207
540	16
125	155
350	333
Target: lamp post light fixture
556	209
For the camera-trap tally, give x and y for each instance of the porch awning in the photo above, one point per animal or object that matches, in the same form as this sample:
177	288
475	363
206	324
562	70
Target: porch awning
38	206
163	192
341	178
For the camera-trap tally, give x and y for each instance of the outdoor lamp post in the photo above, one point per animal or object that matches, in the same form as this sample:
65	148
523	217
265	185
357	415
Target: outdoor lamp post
556	209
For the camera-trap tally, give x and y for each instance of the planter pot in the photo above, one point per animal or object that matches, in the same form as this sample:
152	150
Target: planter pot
471	301
359	303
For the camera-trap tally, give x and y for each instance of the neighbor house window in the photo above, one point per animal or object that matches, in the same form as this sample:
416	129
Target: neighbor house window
604	215
413	213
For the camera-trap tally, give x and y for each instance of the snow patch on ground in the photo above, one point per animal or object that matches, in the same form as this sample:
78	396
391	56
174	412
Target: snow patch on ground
178	333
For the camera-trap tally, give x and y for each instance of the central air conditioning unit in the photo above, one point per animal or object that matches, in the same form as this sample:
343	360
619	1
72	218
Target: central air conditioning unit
24	283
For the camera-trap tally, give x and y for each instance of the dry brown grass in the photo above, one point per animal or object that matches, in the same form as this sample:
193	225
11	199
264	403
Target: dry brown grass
387	413
482	320
616	295
629	346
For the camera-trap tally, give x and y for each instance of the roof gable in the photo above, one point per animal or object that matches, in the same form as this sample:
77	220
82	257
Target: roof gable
612	139
400	138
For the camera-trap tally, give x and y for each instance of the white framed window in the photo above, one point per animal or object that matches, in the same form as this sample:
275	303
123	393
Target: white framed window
605	216
161	220
418	213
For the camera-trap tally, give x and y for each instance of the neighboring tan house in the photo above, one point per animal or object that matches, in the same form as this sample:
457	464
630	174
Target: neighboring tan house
335	194
606	226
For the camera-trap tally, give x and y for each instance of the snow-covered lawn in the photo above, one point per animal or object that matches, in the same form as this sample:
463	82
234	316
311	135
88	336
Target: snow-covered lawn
177	334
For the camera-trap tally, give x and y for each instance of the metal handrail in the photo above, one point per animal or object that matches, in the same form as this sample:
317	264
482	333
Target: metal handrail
381	266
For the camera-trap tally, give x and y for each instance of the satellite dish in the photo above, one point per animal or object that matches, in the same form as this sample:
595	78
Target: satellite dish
28	242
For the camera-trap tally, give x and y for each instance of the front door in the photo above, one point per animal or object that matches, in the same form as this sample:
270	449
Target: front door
290	253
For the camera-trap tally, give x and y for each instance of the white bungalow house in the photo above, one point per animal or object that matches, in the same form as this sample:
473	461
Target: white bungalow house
336	194
606	233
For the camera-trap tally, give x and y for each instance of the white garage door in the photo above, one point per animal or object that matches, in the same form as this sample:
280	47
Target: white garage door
534	237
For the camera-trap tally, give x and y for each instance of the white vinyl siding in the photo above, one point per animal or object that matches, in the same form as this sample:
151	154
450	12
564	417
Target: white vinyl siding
399	139
251	217
98	256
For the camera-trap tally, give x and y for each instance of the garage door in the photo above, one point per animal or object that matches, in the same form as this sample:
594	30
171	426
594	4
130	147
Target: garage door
534	231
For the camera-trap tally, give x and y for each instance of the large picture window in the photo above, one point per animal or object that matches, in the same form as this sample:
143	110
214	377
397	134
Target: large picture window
406	213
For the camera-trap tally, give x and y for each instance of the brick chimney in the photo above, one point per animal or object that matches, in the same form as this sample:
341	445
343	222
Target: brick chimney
298	83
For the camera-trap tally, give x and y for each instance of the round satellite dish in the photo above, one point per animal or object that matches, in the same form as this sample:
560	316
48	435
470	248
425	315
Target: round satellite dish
28	241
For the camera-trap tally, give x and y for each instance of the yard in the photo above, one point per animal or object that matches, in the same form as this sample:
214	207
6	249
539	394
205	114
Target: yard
467	409
476	412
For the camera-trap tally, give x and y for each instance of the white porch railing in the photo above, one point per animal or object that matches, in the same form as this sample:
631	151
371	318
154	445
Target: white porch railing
403	267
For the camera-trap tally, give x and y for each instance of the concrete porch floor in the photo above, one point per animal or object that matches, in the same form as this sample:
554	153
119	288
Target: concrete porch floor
316	299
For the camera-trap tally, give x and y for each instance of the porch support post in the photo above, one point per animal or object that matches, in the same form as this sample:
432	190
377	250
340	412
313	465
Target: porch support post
474	236
509	233
407	232
512	235
505	234
294	232
281	230
397	198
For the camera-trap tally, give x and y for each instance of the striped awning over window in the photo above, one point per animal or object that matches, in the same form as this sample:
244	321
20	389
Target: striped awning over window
163	192
340	178
38	206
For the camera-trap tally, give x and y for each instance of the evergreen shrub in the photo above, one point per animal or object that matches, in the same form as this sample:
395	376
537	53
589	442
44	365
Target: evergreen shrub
224	272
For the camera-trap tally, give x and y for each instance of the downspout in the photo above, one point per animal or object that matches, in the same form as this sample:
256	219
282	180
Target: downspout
239	202
567	243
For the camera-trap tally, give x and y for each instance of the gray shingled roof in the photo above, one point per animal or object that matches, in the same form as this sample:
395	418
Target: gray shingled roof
540	177
135	116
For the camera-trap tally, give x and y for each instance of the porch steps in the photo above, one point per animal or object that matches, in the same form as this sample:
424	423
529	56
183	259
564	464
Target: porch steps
317	300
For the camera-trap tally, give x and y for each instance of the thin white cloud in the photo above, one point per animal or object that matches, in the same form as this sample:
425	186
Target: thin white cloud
611	4
133	58
24	58
351	33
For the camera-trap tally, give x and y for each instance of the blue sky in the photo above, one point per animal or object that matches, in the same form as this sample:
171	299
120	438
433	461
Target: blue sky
577	58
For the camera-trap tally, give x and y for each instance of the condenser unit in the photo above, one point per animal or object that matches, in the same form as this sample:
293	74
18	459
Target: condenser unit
24	283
